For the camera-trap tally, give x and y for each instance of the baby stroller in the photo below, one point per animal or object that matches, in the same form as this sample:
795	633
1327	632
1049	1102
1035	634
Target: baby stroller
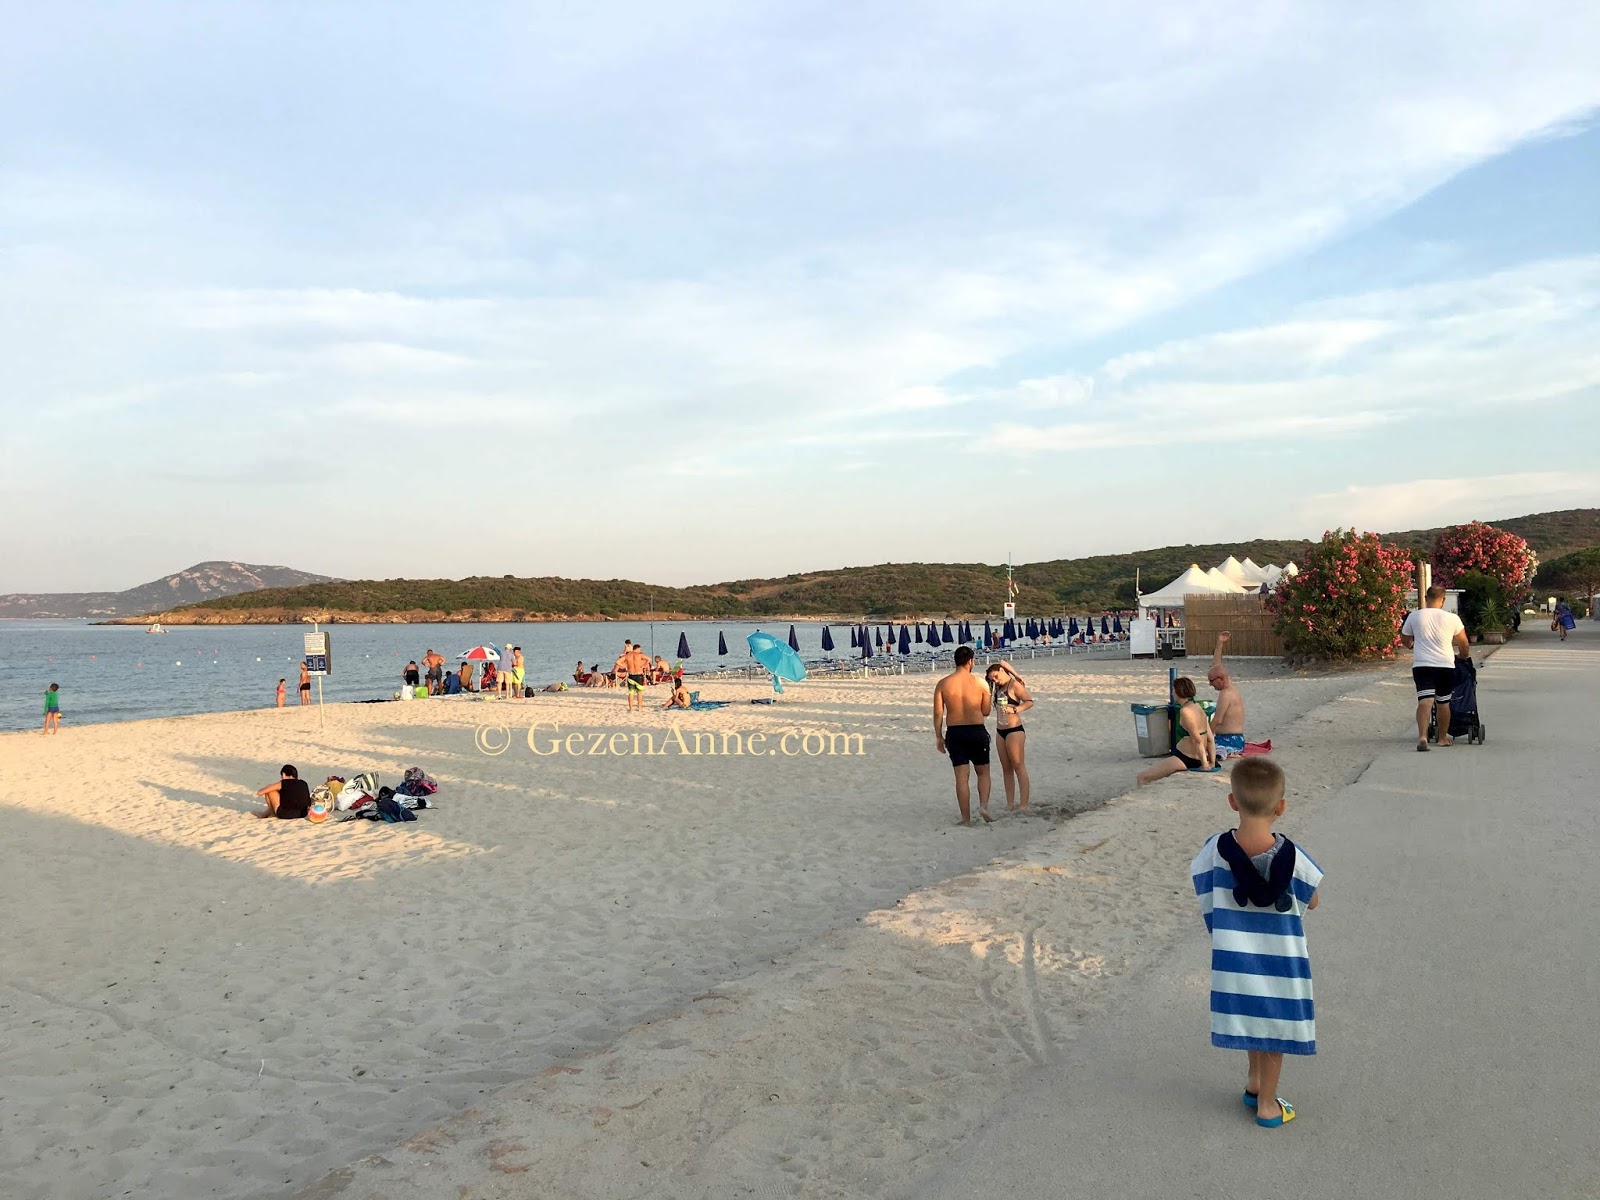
1464	720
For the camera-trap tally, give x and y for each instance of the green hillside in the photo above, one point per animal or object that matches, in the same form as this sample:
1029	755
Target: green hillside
891	590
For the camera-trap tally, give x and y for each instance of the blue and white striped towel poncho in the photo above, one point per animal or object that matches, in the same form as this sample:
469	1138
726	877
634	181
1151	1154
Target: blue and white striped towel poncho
1260	971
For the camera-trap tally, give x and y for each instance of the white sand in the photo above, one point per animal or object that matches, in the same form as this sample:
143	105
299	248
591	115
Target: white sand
196	1004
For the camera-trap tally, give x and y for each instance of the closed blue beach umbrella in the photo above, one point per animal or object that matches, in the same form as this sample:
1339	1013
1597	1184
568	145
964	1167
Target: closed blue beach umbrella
855	642
827	638
905	640
946	634
683	644
1072	627
933	635
966	631
879	639
919	633
722	643
1105	625
866	643
1116	623
794	642
988	633
1009	632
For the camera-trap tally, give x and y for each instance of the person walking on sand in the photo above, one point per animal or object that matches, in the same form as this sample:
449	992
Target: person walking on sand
305	684
52	709
961	705
635	664
1227	722
1436	639
1011	700
283	688
1255	887
1195	750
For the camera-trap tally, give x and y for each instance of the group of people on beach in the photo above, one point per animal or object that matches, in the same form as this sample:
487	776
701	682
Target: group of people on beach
633	671
431	674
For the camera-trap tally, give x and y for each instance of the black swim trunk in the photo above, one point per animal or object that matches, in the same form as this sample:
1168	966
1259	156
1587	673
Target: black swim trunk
1435	682
967	744
305	687
1194	764
1005	733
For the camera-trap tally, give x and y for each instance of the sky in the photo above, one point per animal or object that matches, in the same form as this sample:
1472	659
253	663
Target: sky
704	291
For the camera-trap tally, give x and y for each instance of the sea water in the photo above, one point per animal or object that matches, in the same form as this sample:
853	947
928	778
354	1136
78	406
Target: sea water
123	673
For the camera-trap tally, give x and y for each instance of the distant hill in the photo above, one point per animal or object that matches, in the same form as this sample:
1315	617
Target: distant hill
895	590
203	581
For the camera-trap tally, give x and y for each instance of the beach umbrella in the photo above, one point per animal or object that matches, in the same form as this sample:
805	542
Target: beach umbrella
905	640
1008	631
683	644
854	642
1116	623
919	632
966	631
866	643
1105	625
777	658
988	633
722	643
480	654
827	638
933	635
945	633
794	642
1072	627
879	639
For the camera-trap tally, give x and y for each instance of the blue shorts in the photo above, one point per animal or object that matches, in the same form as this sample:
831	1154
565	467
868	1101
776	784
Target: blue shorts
1229	745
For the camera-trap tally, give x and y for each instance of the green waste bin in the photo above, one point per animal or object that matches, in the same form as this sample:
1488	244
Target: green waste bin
1152	724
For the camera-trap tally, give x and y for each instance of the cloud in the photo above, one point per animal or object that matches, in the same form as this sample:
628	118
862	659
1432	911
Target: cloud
1420	503
1349	365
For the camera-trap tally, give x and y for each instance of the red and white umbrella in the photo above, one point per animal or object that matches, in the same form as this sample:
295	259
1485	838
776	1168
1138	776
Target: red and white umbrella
481	654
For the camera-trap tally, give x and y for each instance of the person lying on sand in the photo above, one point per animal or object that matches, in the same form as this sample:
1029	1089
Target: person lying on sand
289	799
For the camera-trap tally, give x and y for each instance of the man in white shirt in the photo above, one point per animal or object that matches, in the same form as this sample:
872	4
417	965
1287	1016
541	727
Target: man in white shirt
1435	638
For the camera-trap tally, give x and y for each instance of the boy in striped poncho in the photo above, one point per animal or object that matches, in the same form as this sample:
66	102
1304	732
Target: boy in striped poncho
1255	887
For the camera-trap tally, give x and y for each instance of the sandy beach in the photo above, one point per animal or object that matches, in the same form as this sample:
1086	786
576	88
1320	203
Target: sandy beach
662	975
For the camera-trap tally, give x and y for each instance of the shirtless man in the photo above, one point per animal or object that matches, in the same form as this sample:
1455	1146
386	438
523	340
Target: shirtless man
1227	723
517	673
635	664
434	662
961	704
1195	750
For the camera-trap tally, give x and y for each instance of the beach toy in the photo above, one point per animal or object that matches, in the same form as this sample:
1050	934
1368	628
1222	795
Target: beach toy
776	657
319	810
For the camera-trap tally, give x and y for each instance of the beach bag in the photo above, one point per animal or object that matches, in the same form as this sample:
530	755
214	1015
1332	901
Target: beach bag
417	783
421	693
367	781
321	805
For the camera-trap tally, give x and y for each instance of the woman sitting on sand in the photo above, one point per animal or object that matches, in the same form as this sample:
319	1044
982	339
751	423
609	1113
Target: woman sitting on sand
679	697
582	677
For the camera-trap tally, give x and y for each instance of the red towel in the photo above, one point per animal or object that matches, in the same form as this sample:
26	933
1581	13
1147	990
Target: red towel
1253	748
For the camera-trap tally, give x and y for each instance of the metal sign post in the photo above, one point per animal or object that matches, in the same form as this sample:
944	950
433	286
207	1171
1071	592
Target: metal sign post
319	662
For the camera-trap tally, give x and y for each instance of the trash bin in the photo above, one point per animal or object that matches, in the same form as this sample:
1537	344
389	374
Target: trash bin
1152	723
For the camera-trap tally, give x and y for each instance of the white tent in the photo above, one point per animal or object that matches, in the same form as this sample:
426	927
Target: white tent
1252	573
1192	581
1235	571
1222	583
1291	569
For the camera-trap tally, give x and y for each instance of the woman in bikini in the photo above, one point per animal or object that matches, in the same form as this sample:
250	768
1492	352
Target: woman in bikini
1011	700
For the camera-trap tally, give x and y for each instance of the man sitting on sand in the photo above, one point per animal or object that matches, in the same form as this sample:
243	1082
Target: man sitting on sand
961	704
1195	750
1227	722
289	799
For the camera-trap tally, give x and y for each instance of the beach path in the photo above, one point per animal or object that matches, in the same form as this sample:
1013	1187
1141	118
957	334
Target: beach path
1457	964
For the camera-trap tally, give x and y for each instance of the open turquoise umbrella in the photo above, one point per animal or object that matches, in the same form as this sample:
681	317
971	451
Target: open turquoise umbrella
777	658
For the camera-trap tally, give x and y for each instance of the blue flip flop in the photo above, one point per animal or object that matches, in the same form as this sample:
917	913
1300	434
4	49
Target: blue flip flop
1281	1119
1251	1099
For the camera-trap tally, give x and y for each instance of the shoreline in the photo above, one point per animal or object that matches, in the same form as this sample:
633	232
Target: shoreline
518	617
